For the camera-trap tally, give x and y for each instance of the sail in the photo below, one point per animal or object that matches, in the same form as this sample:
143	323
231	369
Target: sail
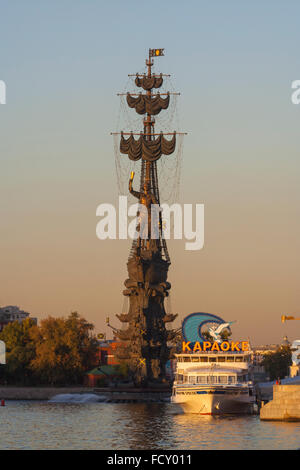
148	104
124	335
149	150
149	82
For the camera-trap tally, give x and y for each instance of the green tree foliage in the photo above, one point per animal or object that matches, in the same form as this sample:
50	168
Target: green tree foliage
20	351
57	351
277	363
65	349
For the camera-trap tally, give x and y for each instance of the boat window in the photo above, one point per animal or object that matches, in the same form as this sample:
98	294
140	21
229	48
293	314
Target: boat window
222	379
229	358
239	358
201	379
203	359
195	359
212	359
186	359
179	378
221	359
243	378
192	379
179	359
212	379
231	379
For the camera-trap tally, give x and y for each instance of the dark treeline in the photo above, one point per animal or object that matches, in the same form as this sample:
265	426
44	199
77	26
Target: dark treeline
277	363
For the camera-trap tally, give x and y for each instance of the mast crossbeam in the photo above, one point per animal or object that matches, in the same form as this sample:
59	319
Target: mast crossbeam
152	94
153	75
151	134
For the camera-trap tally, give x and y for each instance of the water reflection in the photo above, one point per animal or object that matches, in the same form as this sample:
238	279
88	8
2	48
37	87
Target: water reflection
148	426
135	426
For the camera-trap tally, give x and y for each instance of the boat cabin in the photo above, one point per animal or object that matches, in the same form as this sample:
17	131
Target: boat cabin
209	376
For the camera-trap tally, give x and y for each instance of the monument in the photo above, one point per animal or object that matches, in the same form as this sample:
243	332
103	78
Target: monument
146	342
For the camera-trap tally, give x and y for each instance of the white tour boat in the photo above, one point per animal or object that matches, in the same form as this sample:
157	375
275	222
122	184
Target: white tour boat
214	383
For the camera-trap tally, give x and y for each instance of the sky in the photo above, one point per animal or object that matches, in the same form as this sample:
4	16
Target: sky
63	62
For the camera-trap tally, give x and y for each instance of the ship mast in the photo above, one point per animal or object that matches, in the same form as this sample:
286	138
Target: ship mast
148	122
151	169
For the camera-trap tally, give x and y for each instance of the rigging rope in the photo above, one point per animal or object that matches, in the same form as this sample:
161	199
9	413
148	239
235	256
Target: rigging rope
168	167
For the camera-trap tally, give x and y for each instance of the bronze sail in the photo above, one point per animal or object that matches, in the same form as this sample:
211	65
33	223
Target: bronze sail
149	82
149	150
148	104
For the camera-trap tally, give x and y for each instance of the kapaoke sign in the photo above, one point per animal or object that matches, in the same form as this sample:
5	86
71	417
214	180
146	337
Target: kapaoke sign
188	346
194	340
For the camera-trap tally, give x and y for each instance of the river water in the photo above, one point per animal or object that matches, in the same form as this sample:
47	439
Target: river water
87	424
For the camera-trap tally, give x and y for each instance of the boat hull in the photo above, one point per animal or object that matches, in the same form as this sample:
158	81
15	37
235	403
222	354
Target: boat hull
214	402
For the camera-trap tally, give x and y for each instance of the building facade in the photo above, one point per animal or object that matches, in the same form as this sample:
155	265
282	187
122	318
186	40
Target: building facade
106	352
12	313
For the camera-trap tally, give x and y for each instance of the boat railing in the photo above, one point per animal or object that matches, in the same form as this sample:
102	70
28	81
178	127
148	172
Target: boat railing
209	385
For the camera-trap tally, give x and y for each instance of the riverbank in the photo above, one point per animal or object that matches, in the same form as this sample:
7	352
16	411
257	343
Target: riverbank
114	394
38	393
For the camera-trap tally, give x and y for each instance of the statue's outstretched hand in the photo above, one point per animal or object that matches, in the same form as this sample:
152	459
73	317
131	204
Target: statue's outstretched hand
131	180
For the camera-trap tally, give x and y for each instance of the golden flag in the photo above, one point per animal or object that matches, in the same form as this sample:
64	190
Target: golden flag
285	317
156	52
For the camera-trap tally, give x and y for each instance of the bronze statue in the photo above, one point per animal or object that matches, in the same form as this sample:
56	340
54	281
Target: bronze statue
146	343
148	217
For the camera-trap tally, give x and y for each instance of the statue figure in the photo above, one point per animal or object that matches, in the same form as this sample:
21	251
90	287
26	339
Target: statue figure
148	216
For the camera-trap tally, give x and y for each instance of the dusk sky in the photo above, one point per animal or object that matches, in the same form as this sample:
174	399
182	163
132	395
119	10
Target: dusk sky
63	63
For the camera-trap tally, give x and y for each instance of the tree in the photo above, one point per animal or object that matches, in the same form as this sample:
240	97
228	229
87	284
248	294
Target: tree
65	349
277	363
20	351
